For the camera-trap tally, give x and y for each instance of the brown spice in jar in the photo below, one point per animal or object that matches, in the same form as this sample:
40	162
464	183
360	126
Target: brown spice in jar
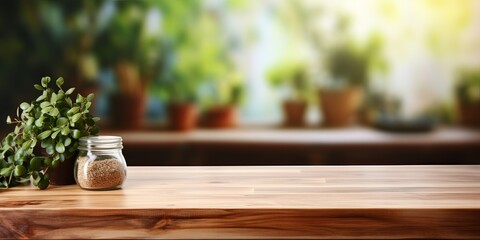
100	174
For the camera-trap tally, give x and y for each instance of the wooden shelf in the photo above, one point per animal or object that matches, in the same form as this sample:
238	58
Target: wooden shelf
301	146
347	136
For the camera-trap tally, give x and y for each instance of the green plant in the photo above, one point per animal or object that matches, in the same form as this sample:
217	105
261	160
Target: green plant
292	75
350	64
52	123
225	90
181	82
468	87
131	44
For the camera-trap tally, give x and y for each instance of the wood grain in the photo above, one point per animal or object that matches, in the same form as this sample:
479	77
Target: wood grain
294	202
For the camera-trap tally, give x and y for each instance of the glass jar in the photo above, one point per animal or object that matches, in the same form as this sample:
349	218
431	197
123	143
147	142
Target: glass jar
100	163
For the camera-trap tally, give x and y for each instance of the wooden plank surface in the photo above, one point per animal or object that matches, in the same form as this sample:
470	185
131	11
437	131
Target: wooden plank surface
318	202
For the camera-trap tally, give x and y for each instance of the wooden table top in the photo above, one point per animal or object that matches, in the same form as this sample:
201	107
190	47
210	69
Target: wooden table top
268	202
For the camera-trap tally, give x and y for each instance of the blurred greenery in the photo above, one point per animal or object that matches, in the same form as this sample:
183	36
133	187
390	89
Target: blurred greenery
217	53
294	76
45	38
350	64
468	86
199	57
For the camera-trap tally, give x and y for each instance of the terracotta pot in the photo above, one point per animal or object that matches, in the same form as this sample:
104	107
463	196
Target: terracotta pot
294	113
182	116
127	111
340	106
63	174
221	117
469	114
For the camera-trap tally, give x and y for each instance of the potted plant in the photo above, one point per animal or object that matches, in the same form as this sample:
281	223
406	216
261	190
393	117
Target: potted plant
349	66
45	140
128	104
134	55
468	98
180	93
293	77
225	94
179	86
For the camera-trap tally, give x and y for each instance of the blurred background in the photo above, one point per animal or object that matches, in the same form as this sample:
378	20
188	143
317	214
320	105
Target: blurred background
153	64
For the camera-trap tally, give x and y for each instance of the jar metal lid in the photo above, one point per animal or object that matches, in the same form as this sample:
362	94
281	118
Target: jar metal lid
100	143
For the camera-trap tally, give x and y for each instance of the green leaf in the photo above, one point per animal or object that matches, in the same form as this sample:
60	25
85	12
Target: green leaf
47	161
26	145
42	97
43	184
39	122
9	120
79	98
63	111
30	108
20	161
50	150
90	97
9	140
54	134
35	164
38	87
60	147
55	163
30	121
10	159
60	95
61	122
19	154
69	102
6	171
65	131
44	82
47	109
38	177
60	82
45	104
24	106
44	134
76	134
54	112
53	98
47	142
20	170
73	110
36	181
69	91
76	117
67	142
